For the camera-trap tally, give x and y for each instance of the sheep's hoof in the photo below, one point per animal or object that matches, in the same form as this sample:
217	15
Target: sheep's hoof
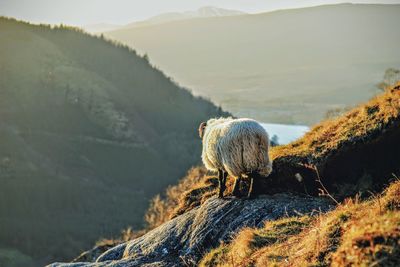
252	196
237	195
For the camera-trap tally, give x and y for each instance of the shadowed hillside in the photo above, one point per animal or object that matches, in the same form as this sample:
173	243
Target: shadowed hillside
89	131
288	66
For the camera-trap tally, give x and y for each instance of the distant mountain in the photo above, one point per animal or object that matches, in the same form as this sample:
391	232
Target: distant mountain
204	12
100	27
89	132
288	66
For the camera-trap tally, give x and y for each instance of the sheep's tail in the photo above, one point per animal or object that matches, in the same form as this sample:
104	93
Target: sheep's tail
266	167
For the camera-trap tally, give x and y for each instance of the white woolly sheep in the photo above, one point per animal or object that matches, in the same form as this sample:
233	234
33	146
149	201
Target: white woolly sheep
238	147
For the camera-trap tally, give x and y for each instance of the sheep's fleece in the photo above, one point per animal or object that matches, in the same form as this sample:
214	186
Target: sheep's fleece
238	146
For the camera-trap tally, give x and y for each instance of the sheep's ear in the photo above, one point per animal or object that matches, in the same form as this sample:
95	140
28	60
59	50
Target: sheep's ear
201	128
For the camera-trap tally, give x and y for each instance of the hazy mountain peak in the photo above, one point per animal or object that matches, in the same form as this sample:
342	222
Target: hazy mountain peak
203	12
210	11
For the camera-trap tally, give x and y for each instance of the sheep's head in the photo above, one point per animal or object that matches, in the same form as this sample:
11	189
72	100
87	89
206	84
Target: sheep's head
202	127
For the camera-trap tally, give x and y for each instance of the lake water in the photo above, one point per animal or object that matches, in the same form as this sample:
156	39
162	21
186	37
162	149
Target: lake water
285	133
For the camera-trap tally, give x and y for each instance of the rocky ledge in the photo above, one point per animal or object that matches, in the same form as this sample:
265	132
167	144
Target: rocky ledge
183	240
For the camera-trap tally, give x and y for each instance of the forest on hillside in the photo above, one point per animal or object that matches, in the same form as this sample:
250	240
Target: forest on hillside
90	133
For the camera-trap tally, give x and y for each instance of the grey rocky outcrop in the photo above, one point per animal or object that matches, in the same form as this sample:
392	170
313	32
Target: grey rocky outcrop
183	240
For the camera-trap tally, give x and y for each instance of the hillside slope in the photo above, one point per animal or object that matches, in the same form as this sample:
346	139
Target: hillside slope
86	126
190	226
288	66
279	230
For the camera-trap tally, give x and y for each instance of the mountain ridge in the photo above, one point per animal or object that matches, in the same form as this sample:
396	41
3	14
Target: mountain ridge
202	12
253	55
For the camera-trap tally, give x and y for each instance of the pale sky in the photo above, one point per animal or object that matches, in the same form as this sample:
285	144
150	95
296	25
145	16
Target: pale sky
83	12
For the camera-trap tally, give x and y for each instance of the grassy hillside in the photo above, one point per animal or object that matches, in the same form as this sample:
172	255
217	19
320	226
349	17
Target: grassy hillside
350	159
89	132
288	66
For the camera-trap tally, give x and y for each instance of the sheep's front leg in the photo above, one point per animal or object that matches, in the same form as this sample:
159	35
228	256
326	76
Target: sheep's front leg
222	182
236	186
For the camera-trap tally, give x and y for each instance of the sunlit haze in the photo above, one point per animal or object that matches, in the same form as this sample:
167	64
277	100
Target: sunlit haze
77	12
199	133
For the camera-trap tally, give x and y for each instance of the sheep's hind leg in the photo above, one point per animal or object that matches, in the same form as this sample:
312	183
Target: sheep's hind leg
236	186
222	182
254	177
250	194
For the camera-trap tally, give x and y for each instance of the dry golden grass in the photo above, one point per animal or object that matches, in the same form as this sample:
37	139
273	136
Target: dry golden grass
359	123
370	241
164	208
354	234
372	237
